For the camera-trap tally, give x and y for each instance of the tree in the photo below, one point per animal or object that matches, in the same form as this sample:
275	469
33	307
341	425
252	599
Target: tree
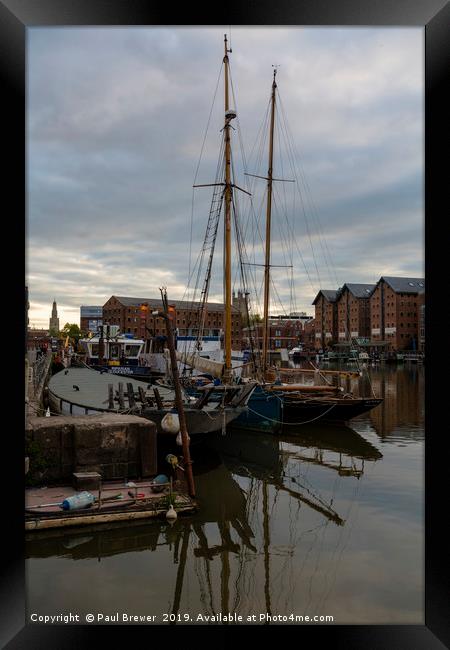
72	331
255	318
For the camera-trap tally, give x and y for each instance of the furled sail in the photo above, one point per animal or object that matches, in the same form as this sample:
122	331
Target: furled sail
214	368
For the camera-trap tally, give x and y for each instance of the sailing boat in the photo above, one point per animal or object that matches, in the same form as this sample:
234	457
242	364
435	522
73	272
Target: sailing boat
275	401
207	415
222	197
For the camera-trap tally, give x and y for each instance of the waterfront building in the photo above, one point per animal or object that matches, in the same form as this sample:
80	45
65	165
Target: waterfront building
308	335
37	338
394	312
284	332
326	318
134	316
91	317
54	320
421	322
353	311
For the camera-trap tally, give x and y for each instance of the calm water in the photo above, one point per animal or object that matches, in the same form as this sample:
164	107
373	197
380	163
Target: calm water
320	521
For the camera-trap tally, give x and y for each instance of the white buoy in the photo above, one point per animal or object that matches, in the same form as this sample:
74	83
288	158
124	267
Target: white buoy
179	439
170	423
171	514
47	412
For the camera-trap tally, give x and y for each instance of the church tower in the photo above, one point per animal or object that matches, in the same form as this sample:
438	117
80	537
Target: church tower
54	320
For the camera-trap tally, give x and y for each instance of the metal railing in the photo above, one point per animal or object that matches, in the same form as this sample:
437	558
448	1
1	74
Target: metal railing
40	369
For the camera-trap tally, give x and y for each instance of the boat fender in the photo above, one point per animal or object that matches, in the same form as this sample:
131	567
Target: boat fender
179	439
171	514
172	460
170	423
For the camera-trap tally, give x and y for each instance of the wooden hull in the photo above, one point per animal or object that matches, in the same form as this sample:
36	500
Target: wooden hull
338	410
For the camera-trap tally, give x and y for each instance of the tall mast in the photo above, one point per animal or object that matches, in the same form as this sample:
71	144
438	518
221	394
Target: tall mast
227	233
268	229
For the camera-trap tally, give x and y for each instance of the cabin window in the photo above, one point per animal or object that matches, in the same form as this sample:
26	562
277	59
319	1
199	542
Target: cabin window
132	350
94	349
114	351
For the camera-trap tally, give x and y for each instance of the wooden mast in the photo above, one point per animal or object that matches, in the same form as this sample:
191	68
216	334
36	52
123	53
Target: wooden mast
268	231
227	233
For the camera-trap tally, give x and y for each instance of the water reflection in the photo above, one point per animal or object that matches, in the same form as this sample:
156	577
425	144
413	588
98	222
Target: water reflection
266	507
402	388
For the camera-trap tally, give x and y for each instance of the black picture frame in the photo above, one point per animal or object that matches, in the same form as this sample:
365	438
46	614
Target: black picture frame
15	17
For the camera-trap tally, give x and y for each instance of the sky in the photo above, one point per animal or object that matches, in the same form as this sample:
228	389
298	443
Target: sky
122	122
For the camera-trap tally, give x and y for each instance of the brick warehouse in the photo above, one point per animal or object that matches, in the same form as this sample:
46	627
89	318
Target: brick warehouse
353	311
394	312
390	313
284	332
132	318
325	318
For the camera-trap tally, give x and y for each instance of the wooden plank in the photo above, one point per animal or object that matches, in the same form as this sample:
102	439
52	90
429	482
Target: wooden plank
37	524
203	399
343	373
303	388
142	394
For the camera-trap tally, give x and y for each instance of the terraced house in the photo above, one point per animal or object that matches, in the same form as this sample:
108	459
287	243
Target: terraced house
326	318
353	311
394	312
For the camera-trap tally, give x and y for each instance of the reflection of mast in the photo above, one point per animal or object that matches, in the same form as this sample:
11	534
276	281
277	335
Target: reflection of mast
266	549
180	571
326	511
224	528
340	468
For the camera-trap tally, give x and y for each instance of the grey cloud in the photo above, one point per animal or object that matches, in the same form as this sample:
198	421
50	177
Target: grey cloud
116	119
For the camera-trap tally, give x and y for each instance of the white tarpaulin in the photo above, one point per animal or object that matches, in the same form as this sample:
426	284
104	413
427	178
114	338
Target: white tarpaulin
214	368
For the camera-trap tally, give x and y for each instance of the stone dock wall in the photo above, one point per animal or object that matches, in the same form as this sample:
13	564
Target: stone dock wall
116	446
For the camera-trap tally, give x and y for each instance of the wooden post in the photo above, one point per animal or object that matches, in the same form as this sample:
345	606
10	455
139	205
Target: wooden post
121	398
110	396
158	399
130	393
178	395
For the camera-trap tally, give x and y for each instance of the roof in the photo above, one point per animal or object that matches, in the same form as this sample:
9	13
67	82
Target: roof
359	290
405	285
179	304
329	294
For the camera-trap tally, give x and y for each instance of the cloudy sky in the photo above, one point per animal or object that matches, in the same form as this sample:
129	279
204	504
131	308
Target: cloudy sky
116	119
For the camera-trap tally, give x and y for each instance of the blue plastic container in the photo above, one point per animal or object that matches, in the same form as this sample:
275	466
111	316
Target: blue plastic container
158	482
78	501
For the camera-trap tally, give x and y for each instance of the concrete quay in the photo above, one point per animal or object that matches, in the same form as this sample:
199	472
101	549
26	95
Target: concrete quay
115	446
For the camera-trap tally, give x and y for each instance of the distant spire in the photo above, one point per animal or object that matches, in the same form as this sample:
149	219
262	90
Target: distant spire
54	320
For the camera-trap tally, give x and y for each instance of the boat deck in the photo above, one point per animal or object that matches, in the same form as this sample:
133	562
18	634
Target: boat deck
88	390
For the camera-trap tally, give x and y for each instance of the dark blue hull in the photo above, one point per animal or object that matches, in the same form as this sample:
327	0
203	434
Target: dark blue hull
134	372
264	412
